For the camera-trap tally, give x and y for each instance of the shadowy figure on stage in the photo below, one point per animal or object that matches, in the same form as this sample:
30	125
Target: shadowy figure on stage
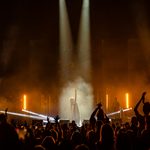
115	105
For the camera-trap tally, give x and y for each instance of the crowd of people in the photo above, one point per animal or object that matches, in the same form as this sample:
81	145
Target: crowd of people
98	134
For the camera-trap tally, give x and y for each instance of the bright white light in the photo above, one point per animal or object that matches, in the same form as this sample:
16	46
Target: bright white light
84	99
40	115
23	115
127	109
117	112
82	65
65	45
33	113
86	4
113	113
84	44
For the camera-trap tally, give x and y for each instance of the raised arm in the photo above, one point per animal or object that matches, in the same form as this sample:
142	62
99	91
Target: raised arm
92	117
94	113
141	100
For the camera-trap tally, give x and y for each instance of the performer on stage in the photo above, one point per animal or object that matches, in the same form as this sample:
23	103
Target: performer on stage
116	105
75	114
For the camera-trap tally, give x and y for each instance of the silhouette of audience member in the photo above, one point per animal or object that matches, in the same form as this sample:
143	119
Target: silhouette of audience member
97	119
39	147
8	135
106	138
123	141
100	113
146	109
81	147
49	143
54	134
134	125
98	134
97	115
144	124
91	139
76	139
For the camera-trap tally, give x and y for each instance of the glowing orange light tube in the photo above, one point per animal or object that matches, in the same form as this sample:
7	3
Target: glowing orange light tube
24	102
127	100
107	102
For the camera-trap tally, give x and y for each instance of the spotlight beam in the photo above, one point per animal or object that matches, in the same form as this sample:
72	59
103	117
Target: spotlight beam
65	44
23	115
37	114
44	118
84	44
33	113
117	112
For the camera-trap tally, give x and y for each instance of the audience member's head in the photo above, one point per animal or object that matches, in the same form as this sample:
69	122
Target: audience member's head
127	125
123	141
134	121
107	136
81	147
39	147
48	142
76	138
54	134
91	136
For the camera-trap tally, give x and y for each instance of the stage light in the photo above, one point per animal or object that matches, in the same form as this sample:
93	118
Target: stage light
127	109
117	112
107	103
113	113
84	43
65	45
127	100
24	101
33	113
23	115
40	115
75	69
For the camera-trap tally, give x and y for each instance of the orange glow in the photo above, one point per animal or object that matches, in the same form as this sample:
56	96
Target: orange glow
107	102
24	102
127	100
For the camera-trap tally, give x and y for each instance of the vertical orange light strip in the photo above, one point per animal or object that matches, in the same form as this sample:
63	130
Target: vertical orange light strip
24	102
127	100
107	103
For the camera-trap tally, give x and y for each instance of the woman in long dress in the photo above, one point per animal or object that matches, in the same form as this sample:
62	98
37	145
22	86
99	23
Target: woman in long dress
75	114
